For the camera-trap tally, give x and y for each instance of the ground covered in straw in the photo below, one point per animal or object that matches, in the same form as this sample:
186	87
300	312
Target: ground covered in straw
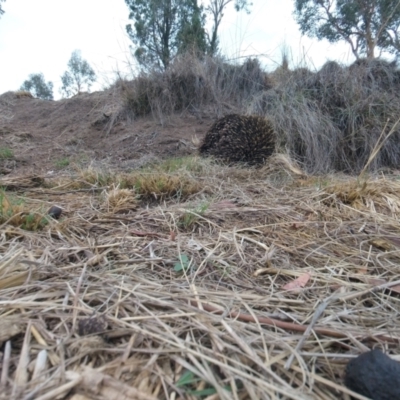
189	280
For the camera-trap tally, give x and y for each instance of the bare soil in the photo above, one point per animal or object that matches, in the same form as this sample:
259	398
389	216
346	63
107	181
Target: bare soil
45	136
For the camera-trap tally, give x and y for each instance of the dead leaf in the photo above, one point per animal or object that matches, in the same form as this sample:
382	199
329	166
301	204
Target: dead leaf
298	283
395	289
380	244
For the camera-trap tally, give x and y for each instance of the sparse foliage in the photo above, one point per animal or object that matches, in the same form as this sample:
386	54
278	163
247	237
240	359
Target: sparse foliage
80	75
37	85
365	25
216	9
1	7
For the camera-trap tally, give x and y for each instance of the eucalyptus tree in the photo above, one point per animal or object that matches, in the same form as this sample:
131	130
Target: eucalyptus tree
366	25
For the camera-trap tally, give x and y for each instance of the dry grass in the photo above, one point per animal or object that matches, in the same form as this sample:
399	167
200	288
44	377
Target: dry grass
154	183
23	94
332	120
194	84
92	305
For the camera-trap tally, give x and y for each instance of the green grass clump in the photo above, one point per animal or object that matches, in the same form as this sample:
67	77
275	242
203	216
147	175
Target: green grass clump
161	186
14	212
6	153
188	163
170	179
194	386
190	217
62	163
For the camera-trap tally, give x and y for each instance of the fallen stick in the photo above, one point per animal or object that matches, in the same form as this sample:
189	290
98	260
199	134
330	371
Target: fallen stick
283	324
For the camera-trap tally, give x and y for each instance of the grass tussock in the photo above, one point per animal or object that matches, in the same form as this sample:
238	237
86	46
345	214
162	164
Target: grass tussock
15	212
160	186
118	201
23	94
332	120
6	153
168	179
191	215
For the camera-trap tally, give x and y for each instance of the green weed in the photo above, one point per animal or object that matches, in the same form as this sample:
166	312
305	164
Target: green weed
188	380
62	162
183	263
6	153
189	218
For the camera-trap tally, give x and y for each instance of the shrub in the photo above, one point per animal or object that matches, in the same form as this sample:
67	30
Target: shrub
193	82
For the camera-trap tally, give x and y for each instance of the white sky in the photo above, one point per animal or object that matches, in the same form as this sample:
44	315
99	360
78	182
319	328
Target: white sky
40	35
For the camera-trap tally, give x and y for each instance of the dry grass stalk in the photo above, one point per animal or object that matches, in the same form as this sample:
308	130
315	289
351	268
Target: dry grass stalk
378	146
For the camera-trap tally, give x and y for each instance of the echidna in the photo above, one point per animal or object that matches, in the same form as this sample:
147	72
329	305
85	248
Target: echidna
240	138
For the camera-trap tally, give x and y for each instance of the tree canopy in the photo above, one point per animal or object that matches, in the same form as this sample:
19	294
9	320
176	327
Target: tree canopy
80	75
162	29
366	25
216	10
37	85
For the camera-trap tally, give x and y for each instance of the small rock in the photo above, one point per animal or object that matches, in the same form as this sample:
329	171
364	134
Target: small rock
55	212
374	375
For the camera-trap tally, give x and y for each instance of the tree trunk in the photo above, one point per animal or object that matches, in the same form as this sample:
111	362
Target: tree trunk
370	41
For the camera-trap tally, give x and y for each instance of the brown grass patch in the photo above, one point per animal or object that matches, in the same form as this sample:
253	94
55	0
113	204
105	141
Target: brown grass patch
20	94
119	201
154	184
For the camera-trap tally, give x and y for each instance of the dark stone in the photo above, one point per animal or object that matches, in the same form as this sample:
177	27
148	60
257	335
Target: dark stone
374	375
55	212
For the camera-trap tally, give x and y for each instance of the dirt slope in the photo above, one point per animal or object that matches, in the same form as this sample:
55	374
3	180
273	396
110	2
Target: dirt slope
48	135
